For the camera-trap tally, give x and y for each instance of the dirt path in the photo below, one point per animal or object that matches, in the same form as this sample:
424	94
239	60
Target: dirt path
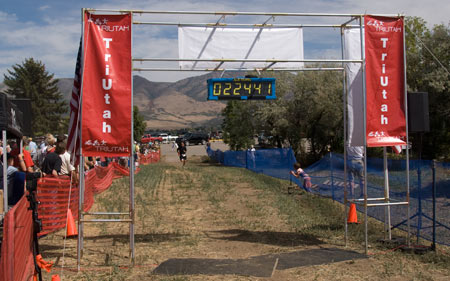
170	154
208	222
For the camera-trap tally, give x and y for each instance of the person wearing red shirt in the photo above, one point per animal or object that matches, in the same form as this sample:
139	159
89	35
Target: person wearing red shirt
25	163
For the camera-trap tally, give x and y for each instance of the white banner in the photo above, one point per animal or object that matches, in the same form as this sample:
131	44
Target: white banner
239	43
354	78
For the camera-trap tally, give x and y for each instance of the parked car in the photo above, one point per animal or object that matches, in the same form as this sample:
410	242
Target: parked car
148	138
165	137
195	138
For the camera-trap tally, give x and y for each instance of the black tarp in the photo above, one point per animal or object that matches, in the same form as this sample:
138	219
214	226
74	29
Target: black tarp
11	118
24	105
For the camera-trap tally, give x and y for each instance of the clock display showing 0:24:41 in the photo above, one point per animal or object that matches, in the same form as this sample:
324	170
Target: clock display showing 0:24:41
241	88
237	88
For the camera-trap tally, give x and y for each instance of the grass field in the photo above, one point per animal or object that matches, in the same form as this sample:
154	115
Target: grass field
209	211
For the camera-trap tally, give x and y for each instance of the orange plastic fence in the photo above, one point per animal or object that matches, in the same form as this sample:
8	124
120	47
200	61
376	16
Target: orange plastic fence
53	193
151	157
17	256
100	179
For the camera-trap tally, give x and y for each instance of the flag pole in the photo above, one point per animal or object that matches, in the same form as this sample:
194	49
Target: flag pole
132	164
81	160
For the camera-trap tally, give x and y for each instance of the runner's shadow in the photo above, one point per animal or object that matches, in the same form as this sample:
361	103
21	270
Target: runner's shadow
265	237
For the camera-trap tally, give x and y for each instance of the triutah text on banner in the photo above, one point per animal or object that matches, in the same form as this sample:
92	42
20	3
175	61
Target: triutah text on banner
106	96
386	125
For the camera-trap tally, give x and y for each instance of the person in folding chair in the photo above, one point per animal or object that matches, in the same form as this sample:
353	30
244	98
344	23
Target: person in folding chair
16	181
299	172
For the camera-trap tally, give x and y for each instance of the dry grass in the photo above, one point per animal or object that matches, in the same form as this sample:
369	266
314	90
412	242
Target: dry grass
210	211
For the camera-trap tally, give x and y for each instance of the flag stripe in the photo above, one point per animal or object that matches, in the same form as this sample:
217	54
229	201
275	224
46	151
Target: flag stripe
73	142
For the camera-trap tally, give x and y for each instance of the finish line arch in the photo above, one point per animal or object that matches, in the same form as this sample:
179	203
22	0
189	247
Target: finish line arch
256	26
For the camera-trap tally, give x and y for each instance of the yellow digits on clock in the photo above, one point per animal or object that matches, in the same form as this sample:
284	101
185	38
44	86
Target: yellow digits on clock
216	89
247	87
226	91
258	88
237	89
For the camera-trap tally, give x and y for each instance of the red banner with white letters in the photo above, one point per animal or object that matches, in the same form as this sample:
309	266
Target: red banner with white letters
385	92
106	91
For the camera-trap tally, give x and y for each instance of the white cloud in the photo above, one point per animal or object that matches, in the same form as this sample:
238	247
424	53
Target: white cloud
54	38
43	8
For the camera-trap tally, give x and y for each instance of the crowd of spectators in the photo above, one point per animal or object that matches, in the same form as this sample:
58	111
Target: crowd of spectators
48	157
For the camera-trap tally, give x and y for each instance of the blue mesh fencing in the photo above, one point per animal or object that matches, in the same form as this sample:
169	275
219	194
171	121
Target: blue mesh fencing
328	179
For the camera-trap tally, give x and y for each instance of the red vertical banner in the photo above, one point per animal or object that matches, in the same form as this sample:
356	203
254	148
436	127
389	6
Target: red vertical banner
106	95
385	92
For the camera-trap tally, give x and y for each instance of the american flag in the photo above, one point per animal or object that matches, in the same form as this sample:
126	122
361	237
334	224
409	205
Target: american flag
74	135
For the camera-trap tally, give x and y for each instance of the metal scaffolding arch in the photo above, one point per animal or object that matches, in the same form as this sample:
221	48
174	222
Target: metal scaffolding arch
258	20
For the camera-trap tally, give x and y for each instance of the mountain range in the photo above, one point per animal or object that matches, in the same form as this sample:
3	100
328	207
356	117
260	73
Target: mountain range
170	105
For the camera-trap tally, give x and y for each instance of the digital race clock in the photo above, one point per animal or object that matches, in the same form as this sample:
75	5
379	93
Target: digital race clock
241	88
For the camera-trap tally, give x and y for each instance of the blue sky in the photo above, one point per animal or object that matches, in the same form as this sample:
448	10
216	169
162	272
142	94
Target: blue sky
49	31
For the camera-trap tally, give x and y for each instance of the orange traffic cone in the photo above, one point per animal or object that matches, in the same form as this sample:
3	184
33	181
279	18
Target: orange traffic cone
352	216
55	277
71	227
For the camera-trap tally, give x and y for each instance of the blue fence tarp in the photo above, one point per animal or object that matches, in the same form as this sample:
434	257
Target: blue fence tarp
328	179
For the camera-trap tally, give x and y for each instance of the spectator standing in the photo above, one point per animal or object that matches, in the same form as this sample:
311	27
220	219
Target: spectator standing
23	160
136	154
52	162
46	147
174	145
89	163
252	152
33	149
66	167
355	158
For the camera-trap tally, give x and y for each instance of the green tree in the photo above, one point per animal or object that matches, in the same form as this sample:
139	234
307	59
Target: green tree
318	110
32	81
428	65
139	125
238	128
307	114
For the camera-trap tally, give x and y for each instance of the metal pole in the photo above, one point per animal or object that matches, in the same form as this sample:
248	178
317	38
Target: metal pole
132	164
246	159
407	139
419	195
345	94
241	69
231	13
247	60
5	168
386	194
80	213
332	176
433	245
250	25
81	167
363	67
